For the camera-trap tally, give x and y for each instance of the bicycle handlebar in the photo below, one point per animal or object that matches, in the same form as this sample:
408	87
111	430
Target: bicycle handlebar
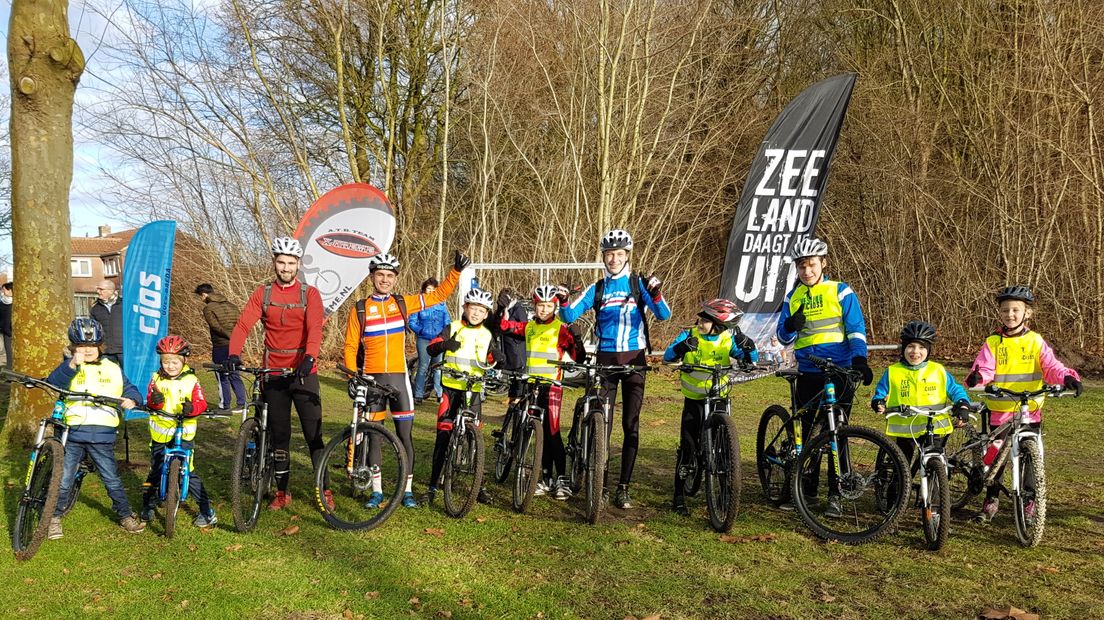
1057	391
915	411
31	382
251	370
602	369
828	365
368	381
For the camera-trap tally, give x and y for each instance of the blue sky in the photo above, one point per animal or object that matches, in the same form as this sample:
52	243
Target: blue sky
87	211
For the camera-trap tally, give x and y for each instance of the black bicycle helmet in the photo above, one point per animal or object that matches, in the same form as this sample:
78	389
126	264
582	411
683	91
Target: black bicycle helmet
85	330
918	331
1018	292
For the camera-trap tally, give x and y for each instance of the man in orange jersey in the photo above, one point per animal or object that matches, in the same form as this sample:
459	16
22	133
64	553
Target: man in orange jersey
375	344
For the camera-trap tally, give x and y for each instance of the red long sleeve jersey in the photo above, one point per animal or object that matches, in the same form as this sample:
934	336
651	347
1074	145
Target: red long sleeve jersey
291	330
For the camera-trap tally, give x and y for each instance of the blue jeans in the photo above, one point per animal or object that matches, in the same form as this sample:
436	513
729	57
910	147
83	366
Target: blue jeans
227	380
103	455
424	360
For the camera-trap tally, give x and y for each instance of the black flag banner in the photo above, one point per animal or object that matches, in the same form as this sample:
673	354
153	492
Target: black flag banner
780	203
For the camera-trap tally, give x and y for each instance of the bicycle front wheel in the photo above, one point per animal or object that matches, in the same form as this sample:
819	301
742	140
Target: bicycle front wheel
37	504
722	473
250	476
852	493
463	474
935	511
172	497
1029	504
361	477
965	470
775	452
530	450
594	478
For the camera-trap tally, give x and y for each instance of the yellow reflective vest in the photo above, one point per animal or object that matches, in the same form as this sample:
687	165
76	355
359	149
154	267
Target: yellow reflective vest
924	388
175	390
475	342
102	378
1017	368
542	345
823	314
710	352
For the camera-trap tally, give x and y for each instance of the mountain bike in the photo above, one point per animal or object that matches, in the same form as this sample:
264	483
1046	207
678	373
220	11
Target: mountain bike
505	439
253	470
176	470
39	499
717	458
934	496
361	475
1022	443
529	441
462	474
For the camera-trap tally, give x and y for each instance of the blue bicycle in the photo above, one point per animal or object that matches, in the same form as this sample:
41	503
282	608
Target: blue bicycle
176	470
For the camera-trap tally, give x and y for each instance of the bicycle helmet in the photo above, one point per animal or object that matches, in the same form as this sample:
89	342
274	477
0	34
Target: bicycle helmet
1018	292
173	344
544	292
721	311
809	246
288	246
383	261
85	331
918	331
617	239
479	298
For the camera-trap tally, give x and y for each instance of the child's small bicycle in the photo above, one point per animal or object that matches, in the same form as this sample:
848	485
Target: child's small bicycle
934	497
176	470
43	481
462	474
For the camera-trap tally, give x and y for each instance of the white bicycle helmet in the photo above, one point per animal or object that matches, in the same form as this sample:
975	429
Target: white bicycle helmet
383	261
479	298
809	246
544	292
617	239
287	245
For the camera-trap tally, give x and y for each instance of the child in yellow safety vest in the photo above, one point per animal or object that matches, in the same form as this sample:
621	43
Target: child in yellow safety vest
916	381
467	346
548	339
174	389
712	342
92	427
1016	358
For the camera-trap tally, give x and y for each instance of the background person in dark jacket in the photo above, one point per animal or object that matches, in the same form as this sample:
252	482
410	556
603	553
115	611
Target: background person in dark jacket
221	316
509	306
426	325
6	321
108	312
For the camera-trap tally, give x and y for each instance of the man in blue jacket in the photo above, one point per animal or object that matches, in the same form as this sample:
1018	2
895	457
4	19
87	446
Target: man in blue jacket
619	301
426	326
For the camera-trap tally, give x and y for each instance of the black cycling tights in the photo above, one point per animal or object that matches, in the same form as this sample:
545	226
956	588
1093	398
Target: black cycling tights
632	393
280	394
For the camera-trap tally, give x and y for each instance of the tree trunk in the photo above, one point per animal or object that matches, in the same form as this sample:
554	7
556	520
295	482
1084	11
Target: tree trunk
45	64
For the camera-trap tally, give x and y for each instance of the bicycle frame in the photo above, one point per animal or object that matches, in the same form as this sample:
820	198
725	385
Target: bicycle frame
176	451
925	450
1016	431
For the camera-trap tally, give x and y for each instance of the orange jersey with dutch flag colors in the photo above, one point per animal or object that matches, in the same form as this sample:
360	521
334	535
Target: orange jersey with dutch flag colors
383	334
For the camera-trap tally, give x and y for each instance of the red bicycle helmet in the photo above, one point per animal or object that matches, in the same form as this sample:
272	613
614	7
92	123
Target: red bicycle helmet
173	344
721	311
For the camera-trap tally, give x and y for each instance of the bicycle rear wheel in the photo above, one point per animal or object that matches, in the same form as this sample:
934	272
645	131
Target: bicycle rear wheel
935	513
250	476
1029	505
722	473
172	497
870	491
964	466
504	446
594	477
353	468
37	504
530	449
775	452
463	474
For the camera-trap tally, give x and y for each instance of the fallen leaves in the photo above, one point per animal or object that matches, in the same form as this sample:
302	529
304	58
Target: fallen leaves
234	547
371	596
290	530
435	531
1006	613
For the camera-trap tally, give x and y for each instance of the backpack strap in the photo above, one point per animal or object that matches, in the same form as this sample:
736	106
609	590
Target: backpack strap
360	337
634	288
400	301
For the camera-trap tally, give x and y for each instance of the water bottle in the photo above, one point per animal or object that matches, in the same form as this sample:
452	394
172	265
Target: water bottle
59	410
991	452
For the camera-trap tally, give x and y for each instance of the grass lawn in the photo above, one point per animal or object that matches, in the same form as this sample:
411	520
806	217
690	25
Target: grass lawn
549	564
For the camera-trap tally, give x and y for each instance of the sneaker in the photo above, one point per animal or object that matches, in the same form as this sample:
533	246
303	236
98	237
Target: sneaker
621	499
327	498
563	489
989	509
834	508
408	500
132	524
54	532
203	521
281	501
679	506
484	497
1029	509
542	489
375	500
427	497
146	514
787	506
418	401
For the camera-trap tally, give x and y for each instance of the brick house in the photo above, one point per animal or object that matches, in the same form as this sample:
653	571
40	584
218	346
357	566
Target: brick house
95	259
